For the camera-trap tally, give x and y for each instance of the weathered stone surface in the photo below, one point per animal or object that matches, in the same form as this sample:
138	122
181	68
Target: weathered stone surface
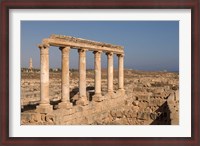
44	108
116	109
143	115
61	40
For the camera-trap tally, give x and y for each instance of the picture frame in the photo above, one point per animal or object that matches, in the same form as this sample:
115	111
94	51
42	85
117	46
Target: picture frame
88	4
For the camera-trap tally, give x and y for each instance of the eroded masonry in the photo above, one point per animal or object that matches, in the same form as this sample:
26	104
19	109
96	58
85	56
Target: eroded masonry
65	43
111	96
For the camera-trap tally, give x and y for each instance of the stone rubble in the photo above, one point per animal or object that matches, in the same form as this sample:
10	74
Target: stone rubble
151	98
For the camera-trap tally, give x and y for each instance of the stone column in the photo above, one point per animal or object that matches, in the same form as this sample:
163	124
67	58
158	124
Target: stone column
121	72
110	72
97	71
82	78
44	106
65	95
31	65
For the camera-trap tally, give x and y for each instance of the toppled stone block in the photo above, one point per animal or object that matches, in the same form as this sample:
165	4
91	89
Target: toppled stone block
155	102
135	108
143	115
143	98
50	119
119	114
135	103
158	90
129	101
116	113
153	116
130	113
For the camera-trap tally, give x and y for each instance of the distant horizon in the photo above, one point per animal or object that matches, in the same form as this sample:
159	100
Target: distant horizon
148	45
114	69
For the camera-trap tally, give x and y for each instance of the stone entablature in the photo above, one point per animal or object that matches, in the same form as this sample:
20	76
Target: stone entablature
65	43
62	41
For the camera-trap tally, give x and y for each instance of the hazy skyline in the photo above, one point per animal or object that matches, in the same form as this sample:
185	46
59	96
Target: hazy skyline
148	45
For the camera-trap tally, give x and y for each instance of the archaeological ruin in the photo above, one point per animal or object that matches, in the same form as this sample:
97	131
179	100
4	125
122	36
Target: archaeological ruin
65	43
99	97
30	64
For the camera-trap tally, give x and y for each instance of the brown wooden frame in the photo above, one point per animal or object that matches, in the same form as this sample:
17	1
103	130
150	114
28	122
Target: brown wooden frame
194	5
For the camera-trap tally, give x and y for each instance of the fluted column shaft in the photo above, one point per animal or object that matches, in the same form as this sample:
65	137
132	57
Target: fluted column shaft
110	72
121	71
97	66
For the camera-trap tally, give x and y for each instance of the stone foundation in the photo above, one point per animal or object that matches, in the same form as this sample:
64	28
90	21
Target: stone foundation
119	110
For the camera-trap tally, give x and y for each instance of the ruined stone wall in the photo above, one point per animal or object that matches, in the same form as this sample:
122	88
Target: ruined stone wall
115	111
151	98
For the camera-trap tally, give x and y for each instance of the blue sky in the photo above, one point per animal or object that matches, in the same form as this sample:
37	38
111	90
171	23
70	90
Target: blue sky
148	45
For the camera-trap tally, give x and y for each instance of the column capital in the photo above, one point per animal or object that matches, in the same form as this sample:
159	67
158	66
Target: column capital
109	53
120	55
44	49
43	46
97	52
65	49
82	50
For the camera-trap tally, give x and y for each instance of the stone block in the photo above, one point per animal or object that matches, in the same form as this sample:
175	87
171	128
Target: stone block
175	121
171	96
143	98
135	108
135	103
143	115
174	116
82	102
65	105
153	116
25	118
130	114
97	98
158	90
50	118
44	108
155	102
35	118
113	113
177	95
79	108
119	114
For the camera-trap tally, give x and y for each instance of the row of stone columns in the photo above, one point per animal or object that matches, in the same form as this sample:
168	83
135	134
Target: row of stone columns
65	103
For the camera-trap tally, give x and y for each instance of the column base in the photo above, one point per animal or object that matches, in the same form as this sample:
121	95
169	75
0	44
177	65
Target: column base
97	98
44	108
65	105
121	91
82	101
110	94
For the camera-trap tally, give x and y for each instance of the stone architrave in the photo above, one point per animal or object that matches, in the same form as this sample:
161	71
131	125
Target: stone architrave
44	106
65	95
110	72
121	72
82	78
97	71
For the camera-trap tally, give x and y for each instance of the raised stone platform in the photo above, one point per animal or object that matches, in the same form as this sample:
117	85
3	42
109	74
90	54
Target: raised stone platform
119	110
